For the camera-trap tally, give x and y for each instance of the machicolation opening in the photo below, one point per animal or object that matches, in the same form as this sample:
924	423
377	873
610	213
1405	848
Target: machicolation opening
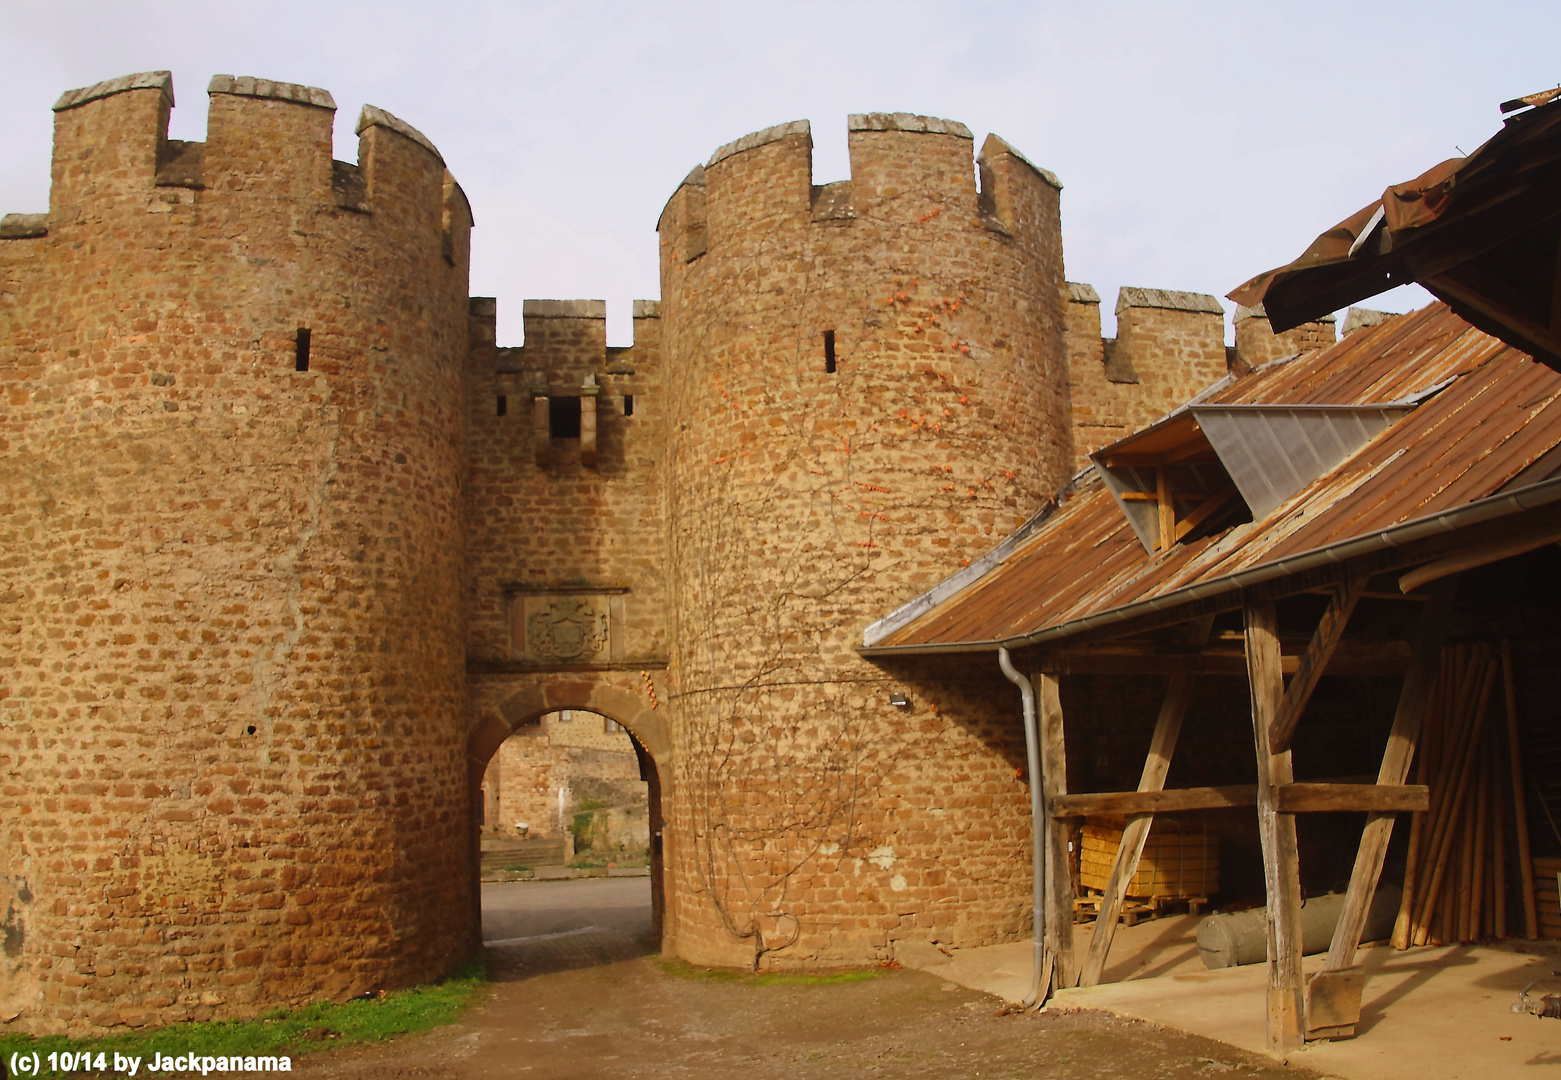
563	416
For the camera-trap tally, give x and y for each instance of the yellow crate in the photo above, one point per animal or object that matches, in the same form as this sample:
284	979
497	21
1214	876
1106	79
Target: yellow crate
1180	859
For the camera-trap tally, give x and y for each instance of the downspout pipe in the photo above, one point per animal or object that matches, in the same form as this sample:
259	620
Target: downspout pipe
1032	753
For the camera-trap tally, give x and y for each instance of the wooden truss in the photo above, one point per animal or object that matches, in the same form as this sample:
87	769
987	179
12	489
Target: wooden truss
1328	1006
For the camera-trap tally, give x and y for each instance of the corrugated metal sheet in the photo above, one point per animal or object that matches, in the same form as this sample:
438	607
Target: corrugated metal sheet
1273	451
1497	416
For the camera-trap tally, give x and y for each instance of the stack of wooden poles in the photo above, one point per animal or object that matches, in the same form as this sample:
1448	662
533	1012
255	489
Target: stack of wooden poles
1458	872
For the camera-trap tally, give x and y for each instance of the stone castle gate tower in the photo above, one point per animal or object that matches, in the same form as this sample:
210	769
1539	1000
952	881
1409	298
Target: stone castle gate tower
232	719
289	545
867	385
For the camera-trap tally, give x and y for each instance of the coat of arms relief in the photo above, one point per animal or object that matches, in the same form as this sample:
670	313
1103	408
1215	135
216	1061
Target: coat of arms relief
567	629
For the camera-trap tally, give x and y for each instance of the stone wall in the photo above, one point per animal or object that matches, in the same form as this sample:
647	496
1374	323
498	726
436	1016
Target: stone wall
1257	344
868	387
232	707
1100	399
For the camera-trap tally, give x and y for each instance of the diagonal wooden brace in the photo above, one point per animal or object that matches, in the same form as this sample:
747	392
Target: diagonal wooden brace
1314	662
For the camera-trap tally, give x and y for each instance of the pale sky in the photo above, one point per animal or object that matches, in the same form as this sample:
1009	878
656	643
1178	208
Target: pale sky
1198	144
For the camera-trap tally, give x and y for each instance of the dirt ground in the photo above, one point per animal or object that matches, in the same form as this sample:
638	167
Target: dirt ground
575	994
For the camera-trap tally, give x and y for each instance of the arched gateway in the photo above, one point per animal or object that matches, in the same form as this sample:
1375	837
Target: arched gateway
521	699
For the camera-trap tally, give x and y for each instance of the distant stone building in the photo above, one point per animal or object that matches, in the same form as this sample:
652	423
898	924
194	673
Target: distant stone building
292	546
554	767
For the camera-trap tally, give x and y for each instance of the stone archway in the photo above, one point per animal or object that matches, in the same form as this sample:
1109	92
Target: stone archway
503	703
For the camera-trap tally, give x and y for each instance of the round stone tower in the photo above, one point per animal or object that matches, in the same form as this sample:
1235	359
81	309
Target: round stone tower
231	671
867	389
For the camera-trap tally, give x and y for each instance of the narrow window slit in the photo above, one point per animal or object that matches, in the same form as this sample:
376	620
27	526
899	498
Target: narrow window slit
503	405
829	352
301	350
628	404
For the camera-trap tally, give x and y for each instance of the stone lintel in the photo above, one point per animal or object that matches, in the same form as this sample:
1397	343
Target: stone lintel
1167	299
1081	293
564	309
146	80
23	226
910	122
374	116
249	86
761	138
995	144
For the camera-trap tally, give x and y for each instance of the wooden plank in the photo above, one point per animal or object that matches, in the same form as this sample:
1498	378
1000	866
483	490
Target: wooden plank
1413	699
1059	882
1377	798
1162	480
1210	505
1333	1004
1168	726
1314	661
1519	804
1453	805
1281	861
1128	803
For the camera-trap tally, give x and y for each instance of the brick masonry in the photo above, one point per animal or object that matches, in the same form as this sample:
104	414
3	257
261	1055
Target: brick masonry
263	630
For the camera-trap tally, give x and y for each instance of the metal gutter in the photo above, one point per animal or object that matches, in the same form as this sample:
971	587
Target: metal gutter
1490	508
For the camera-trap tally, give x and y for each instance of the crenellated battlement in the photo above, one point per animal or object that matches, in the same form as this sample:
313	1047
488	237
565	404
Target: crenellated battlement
565	343
1170	345
907	172
565	384
267	142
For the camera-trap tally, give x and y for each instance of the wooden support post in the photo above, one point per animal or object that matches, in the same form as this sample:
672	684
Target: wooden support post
1059	882
1281	862
1413	700
1519	805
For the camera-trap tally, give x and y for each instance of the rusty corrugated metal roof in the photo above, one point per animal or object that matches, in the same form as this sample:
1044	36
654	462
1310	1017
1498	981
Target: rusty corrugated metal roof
1496	415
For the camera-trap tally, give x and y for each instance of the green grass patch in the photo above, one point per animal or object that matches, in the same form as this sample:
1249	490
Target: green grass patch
681	969
293	1032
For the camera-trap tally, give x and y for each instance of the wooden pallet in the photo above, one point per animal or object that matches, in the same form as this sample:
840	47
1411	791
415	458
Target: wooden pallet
1087	907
